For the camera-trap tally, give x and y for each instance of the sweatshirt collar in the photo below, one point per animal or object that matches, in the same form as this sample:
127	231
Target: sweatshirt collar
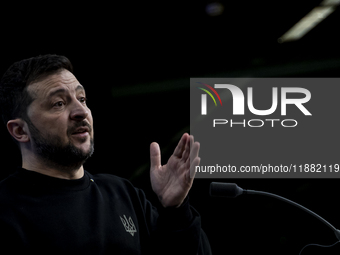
38	180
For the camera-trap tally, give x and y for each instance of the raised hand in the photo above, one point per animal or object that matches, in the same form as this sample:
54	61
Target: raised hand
172	182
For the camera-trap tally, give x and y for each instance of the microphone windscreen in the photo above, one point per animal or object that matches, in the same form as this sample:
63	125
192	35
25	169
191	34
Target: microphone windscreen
220	189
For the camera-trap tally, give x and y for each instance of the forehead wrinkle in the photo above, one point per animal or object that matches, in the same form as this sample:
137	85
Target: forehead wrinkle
45	88
52	93
64	91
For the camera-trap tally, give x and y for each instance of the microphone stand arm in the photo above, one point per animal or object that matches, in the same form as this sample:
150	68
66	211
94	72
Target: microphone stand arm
255	192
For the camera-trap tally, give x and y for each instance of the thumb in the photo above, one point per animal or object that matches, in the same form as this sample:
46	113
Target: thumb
155	155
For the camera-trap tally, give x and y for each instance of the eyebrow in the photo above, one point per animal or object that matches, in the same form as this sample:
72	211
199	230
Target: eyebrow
62	90
80	87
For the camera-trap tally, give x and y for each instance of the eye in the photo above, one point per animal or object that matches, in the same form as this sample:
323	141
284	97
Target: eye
59	104
83	100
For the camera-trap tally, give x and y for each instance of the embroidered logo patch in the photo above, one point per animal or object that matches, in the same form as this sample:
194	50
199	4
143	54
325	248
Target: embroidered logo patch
128	225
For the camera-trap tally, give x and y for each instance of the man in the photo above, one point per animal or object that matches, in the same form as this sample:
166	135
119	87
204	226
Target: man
53	206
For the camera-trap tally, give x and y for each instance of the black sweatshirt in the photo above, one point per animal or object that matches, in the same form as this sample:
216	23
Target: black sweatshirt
97	214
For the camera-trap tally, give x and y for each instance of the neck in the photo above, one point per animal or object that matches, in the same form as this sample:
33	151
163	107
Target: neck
47	168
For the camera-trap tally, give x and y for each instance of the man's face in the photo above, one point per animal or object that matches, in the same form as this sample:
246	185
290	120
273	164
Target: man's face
60	123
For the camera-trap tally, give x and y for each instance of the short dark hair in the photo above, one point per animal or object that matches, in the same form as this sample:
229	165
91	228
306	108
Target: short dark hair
14	96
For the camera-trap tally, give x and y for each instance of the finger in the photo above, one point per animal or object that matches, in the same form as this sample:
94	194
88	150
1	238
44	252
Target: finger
193	153
155	156
191	174
181	146
186	151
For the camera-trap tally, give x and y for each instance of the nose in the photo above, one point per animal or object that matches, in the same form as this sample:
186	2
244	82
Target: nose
79	111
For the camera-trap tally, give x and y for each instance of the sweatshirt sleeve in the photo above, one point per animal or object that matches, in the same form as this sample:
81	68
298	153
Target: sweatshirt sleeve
175	230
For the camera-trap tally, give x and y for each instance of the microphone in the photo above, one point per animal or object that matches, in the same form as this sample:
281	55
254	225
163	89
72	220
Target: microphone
220	189
231	190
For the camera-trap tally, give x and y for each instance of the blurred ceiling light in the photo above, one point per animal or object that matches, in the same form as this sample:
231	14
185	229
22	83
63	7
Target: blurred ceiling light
308	22
214	9
330	2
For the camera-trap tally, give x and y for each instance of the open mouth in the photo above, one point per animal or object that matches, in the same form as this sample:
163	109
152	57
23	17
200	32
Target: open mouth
81	132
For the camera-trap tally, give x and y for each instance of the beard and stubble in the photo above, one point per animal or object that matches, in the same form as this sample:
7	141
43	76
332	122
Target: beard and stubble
55	153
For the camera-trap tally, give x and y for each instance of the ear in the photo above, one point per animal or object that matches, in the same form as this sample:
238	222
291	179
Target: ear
19	130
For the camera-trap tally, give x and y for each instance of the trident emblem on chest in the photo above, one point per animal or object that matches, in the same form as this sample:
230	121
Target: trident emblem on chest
128	225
